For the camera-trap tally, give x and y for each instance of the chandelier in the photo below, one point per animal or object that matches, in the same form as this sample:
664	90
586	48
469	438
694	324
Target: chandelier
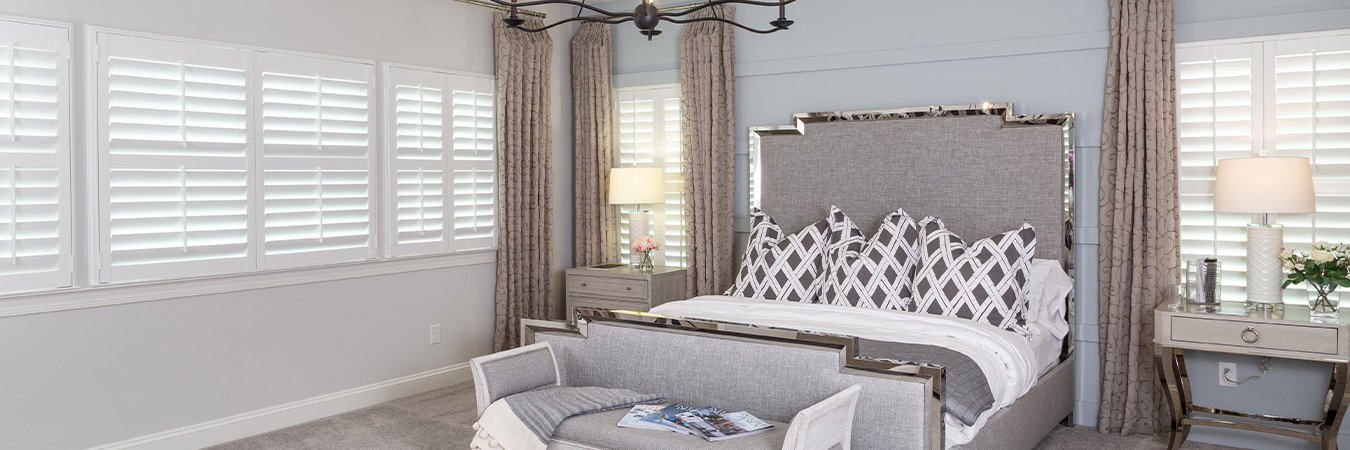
646	16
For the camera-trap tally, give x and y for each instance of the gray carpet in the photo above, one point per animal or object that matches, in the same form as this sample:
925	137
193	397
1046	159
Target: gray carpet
443	419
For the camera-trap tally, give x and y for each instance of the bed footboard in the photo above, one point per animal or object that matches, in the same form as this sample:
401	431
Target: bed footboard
773	373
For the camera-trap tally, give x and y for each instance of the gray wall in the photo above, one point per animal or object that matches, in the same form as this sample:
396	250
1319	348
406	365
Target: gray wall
1044	56
87	377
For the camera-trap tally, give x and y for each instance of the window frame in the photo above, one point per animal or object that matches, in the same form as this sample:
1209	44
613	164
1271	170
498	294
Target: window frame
1264	120
657	217
84	208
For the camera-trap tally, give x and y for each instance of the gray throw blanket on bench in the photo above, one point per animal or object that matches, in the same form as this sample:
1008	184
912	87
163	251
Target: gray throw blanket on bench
541	410
965	394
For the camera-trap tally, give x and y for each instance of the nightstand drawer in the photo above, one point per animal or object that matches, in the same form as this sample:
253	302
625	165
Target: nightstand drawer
614	287
1292	338
608	303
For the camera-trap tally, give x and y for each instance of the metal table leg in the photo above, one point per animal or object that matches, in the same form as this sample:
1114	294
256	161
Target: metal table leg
1335	406
1172	365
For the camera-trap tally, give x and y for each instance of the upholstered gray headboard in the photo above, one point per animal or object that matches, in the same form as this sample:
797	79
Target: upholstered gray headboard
980	169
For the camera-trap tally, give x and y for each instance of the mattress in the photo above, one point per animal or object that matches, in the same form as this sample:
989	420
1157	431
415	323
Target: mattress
1012	362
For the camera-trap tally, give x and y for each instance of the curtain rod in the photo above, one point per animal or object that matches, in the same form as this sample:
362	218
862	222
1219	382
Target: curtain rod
495	6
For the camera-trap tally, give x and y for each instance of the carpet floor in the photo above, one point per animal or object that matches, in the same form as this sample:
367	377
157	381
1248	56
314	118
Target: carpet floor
443	419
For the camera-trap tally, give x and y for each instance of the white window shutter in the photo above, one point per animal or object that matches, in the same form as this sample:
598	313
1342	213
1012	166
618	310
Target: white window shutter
317	157
649	135
174	148
35	249
443	164
418	161
1290	96
473	162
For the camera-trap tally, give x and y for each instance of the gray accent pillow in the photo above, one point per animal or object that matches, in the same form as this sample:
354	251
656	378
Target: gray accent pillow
876	273
984	282
779	267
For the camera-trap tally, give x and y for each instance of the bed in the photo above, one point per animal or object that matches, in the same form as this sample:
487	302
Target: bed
979	168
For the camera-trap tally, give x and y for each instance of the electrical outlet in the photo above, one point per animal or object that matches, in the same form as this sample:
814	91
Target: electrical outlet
1228	374
435	334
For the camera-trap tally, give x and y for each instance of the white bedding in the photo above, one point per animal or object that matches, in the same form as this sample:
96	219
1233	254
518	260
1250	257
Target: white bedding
1010	362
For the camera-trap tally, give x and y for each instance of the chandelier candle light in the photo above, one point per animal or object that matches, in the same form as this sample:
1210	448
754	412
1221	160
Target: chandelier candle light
637	186
646	16
1265	186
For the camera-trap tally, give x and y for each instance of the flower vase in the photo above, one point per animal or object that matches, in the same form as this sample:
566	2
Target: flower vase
646	265
1323	300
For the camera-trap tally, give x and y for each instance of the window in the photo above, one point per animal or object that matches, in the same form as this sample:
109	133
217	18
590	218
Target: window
216	160
1289	95
443	158
35	249
649	135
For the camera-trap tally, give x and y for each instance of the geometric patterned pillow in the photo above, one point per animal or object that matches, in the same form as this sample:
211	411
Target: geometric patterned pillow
778	267
984	282
877	273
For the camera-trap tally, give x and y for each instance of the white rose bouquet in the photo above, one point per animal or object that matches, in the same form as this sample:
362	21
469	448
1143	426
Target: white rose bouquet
1325	268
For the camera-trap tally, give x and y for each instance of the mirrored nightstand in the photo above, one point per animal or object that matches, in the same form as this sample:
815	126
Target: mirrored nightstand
1231	327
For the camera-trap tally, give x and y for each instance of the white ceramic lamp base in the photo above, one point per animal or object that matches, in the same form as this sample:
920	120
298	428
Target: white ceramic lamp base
1265	270
637	227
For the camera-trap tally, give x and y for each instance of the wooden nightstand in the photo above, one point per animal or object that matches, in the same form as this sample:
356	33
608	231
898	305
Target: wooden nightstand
1231	328
624	288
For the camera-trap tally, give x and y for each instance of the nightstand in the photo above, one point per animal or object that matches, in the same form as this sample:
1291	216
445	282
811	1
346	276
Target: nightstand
624	288
1232	328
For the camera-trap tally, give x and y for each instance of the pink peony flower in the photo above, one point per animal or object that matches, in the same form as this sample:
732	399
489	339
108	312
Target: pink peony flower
645	244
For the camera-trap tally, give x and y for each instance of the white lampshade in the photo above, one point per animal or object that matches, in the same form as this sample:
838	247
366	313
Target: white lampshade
636	185
1271	185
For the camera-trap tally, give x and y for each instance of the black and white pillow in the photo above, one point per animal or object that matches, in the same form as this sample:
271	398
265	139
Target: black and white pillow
778	267
984	282
876	273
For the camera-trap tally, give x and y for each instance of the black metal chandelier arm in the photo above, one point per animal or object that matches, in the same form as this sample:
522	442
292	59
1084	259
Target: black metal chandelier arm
718	19
575	19
712	3
511	4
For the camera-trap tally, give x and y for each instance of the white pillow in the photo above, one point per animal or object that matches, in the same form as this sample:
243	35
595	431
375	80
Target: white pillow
1048	289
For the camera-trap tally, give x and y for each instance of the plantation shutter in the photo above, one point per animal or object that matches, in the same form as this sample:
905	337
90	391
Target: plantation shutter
444	161
1312	119
419	161
174	149
1288	96
35	250
473	161
649	135
317	155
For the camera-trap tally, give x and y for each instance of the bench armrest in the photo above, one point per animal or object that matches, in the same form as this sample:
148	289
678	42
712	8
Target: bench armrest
513	371
824	425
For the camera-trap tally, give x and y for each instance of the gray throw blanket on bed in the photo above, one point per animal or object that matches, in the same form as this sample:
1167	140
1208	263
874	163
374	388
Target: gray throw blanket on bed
541	410
965	392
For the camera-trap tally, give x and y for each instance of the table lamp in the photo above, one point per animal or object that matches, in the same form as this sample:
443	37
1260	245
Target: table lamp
636	186
1265	186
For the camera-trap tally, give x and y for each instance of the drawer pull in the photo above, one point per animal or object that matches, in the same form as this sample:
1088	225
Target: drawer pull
583	284
629	288
1252	337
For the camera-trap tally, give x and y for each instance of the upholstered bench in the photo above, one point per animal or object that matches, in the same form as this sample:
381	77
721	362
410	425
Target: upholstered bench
824	425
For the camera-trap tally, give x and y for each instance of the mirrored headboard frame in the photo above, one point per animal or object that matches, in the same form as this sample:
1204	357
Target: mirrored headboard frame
1065	121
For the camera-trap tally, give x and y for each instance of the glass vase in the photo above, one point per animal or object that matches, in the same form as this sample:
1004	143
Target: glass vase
1323	301
646	264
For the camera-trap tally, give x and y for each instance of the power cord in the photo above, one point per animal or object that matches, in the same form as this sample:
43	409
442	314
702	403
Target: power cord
1263	364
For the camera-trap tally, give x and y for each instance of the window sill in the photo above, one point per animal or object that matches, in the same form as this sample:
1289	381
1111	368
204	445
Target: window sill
121	294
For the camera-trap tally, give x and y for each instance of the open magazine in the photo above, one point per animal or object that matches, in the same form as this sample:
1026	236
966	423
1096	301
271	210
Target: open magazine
709	423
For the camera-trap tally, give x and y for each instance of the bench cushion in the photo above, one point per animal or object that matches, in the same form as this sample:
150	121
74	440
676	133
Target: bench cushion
600	430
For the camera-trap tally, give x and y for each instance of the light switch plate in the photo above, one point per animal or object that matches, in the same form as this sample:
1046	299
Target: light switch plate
435	334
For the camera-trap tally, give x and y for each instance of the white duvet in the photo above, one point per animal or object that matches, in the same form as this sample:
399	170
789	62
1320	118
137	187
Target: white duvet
1008	360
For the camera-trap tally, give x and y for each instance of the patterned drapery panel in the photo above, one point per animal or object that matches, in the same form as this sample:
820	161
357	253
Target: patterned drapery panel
525	168
597	222
1140	245
707	51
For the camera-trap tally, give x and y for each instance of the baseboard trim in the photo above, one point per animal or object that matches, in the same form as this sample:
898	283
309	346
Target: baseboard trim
251	423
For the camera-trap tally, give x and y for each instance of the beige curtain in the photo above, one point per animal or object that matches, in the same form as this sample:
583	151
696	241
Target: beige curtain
597	222
524	171
707	57
1140	246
